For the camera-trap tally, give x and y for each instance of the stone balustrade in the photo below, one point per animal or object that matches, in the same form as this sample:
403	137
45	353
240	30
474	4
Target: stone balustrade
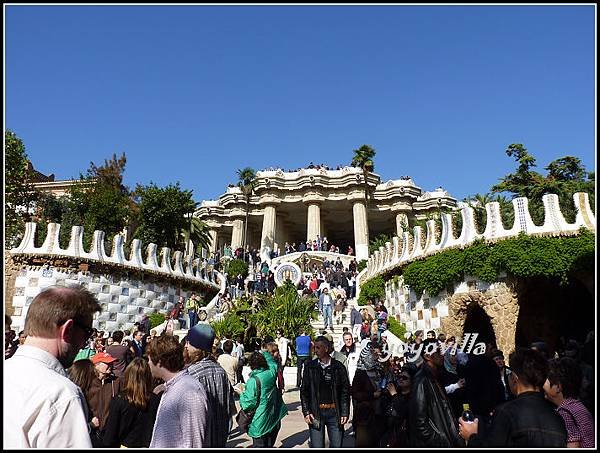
178	266
406	247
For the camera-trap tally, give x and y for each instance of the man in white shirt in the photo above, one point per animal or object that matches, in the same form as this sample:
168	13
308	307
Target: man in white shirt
238	351
46	409
228	362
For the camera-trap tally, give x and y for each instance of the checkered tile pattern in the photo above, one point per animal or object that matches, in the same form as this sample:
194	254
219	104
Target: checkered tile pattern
424	313
123	301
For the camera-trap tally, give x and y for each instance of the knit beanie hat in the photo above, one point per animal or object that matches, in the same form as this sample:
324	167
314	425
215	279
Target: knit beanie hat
202	336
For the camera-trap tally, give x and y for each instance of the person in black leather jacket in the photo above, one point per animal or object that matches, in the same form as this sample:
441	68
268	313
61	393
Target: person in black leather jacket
526	421
325	396
432	423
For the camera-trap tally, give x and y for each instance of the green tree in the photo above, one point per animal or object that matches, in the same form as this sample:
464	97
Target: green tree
363	158
19	194
566	176
237	267
246	182
100	201
522	182
163	214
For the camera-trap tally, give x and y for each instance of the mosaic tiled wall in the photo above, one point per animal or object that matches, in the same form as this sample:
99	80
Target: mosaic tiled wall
425	313
123	301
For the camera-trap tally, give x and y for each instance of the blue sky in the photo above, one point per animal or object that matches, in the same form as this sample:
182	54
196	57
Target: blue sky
192	93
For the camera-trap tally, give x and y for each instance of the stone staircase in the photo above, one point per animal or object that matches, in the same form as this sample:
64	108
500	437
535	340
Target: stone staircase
319	324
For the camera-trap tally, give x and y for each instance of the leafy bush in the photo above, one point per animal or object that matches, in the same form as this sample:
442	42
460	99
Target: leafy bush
237	267
361	265
231	325
522	256
156	319
379	241
287	311
396	327
373	289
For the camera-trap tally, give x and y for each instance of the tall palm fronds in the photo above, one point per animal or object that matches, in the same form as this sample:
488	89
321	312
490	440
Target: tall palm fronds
363	158
199	234
246	182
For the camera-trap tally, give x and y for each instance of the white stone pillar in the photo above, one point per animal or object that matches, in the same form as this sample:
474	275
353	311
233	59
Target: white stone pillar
313	227
401	219
237	234
268	230
214	238
361	230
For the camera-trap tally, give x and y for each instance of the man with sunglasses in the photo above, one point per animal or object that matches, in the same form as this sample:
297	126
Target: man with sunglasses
47	409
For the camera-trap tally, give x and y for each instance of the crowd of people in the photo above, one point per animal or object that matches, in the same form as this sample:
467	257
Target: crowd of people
76	387
252	255
328	274
310	165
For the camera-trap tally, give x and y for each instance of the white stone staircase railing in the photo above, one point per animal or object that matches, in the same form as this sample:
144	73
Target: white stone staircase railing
407	247
182	267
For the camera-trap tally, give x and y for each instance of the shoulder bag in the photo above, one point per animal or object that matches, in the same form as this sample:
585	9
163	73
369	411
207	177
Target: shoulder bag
244	418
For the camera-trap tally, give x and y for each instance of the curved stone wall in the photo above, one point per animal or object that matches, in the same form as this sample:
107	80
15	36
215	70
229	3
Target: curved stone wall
126	288
407	248
447	311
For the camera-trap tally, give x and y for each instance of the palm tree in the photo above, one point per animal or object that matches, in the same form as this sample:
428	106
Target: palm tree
198	233
363	158
478	202
246	182
507	212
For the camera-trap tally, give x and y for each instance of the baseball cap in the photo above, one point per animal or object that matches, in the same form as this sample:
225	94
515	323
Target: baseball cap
103	357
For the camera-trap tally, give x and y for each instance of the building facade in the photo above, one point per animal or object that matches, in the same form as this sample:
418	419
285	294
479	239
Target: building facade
297	206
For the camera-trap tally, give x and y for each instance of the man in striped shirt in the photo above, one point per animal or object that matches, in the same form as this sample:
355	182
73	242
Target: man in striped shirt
212	376
182	415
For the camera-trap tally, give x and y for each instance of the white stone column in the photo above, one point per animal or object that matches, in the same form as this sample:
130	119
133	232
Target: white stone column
361	230
313	228
214	238
237	234
401	219
268	230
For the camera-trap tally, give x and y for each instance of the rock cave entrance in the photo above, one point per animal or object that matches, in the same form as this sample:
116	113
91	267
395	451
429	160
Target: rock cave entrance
478	321
549	311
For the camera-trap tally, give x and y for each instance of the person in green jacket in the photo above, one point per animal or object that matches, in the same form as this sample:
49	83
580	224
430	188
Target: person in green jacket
269	405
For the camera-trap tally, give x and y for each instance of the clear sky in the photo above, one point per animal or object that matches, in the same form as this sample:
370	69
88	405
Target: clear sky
193	93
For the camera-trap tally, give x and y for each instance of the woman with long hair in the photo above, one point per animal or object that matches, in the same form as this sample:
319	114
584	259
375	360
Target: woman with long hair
82	374
133	413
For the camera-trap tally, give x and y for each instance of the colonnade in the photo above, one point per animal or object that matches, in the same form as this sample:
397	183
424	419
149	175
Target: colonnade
313	227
